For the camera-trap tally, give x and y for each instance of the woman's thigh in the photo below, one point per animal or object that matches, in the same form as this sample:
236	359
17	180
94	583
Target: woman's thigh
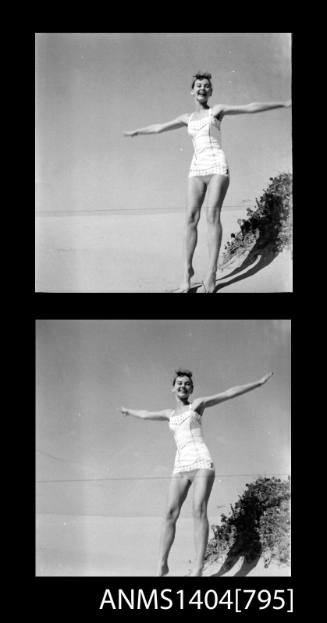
216	191
178	488
202	486
196	190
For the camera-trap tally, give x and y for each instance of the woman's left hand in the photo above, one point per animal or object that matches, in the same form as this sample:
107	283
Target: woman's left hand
265	378
130	133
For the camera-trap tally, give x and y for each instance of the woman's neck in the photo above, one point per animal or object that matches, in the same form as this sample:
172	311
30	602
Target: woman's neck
200	107
181	403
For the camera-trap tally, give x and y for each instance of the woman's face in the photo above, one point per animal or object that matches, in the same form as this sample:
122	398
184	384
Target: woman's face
183	387
202	90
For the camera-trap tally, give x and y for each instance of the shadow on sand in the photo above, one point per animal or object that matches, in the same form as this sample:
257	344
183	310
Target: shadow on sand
247	547
258	258
241	550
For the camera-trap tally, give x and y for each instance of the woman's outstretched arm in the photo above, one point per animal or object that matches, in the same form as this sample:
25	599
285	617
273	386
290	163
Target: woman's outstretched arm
224	109
146	415
157	128
210	401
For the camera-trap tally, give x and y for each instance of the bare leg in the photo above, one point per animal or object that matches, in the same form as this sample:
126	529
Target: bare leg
195	195
202	484
178	489
216	192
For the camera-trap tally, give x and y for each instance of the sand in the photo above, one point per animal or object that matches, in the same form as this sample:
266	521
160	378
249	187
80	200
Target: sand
92	545
115	252
242	569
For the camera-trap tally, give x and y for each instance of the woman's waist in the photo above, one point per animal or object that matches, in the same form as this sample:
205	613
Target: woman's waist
215	149
190	443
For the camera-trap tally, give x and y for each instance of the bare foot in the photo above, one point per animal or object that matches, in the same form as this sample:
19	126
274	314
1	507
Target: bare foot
186	283
210	284
163	569
197	571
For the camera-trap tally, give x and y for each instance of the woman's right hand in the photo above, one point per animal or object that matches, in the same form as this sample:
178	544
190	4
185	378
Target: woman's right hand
130	133
124	411
266	378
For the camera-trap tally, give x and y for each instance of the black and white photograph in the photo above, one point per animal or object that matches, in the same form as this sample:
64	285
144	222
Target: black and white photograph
163	447
163	163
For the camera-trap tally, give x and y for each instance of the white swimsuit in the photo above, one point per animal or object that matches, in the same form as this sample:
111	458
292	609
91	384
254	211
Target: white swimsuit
192	452
208	157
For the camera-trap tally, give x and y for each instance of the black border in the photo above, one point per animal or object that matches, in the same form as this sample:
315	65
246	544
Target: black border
168	306
80	596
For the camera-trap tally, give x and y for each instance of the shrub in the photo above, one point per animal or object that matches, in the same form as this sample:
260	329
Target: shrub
259	522
269	223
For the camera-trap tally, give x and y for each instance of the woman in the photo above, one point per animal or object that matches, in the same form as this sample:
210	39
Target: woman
193	463
209	172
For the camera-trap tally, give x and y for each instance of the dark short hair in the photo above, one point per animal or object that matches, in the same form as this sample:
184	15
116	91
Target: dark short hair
200	75
183	372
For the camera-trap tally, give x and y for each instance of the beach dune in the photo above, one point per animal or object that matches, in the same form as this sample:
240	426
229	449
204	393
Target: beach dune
133	252
94	545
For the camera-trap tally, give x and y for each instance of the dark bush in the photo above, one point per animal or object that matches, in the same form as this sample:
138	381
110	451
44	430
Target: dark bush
258	522
269	223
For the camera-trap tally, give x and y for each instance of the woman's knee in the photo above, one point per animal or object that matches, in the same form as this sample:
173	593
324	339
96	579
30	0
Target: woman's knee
192	218
172	514
213	215
200	511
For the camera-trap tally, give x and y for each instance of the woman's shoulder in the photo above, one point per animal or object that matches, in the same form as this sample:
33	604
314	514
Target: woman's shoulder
217	110
193	407
197	406
186	117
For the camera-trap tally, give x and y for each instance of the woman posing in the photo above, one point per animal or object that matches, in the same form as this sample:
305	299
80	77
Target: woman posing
193	463
209	171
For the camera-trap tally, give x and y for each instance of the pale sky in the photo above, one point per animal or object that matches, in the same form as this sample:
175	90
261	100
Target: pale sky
111	465
90	87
